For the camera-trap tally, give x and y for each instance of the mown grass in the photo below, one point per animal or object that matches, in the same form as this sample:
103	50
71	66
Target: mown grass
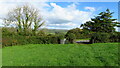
100	54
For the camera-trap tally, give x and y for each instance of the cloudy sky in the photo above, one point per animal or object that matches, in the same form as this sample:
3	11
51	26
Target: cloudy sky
63	15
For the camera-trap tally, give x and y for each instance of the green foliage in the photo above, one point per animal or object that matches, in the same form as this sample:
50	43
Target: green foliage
41	33
10	37
70	37
100	37
101	23
115	37
79	33
21	40
8	31
98	54
105	37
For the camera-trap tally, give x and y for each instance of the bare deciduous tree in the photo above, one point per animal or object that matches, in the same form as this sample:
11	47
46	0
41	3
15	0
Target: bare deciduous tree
24	17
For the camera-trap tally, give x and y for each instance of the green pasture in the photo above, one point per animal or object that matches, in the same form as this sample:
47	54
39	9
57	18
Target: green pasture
98	54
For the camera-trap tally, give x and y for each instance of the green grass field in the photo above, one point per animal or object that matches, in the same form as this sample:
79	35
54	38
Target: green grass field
99	54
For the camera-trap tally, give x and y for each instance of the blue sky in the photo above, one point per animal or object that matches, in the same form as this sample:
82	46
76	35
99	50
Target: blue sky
100	6
64	15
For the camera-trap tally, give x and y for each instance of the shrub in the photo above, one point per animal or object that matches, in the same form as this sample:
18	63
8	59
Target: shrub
41	33
79	33
70	38
8	31
21	40
5	42
115	37
60	37
100	38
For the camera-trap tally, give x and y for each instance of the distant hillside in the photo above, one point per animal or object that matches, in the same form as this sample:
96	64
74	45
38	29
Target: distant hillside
53	31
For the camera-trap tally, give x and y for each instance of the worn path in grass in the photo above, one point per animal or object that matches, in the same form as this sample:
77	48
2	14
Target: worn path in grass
100	54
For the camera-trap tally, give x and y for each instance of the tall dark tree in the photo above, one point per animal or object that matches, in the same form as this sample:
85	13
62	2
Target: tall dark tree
101	23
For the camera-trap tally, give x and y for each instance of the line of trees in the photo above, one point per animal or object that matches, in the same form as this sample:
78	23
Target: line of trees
99	29
27	20
103	28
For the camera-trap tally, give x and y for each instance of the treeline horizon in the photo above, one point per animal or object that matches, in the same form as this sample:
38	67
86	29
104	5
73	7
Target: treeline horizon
28	23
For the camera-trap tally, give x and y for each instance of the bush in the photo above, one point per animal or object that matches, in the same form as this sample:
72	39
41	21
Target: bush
21	40
100	38
105	37
79	33
70	38
115	37
6	42
8	31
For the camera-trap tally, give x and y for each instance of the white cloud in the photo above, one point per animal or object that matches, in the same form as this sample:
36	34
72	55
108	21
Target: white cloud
7	5
90	8
55	15
24	0
4	8
69	17
1	23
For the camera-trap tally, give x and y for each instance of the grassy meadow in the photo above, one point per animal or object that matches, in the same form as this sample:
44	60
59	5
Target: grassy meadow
98	54
60	34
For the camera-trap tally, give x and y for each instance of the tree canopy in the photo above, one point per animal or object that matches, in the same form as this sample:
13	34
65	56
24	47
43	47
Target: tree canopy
101	23
25	18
